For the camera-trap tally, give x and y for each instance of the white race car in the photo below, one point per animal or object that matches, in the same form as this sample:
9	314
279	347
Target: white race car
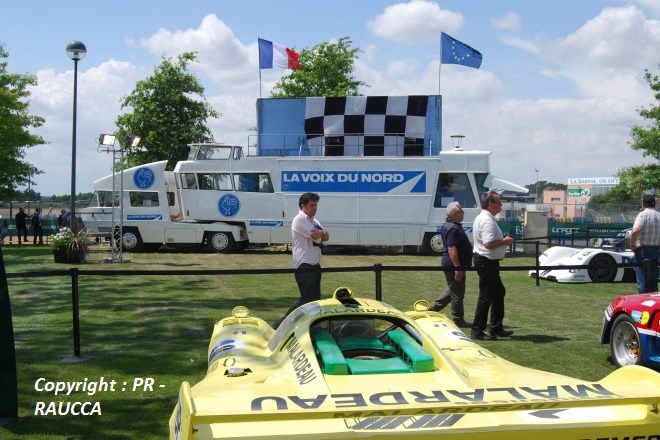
594	260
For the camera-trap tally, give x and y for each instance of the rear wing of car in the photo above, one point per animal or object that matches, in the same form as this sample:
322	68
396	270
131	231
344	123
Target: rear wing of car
623	404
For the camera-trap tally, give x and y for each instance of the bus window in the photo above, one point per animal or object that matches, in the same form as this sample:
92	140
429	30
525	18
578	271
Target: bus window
222	182
144	199
205	181
217	182
253	182
188	181
454	187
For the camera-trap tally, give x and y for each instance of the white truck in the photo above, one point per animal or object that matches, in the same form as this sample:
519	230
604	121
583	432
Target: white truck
226	200
152	215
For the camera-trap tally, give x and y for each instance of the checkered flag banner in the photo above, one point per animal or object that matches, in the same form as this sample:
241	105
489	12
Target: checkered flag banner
366	125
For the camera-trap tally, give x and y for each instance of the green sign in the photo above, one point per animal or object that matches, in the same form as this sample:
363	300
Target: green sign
578	192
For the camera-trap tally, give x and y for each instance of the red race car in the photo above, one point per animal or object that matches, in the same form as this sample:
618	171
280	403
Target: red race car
632	328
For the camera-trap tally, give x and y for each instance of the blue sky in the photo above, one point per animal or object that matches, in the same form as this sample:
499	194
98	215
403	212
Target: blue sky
558	89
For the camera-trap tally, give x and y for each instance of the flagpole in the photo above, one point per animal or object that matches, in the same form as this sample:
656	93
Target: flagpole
440	65
259	64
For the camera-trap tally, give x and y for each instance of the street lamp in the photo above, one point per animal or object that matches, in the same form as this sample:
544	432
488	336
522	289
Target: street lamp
75	50
537	184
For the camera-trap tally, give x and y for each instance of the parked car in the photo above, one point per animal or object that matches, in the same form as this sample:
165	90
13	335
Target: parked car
357	368
620	241
594	260
632	328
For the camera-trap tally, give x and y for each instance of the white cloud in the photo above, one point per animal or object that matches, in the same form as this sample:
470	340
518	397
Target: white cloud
417	20
510	21
220	55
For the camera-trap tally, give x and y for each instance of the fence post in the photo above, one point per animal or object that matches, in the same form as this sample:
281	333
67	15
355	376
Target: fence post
536	263
378	270
76	320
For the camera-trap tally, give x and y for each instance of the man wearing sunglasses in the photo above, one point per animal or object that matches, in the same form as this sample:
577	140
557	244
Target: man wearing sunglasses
489	248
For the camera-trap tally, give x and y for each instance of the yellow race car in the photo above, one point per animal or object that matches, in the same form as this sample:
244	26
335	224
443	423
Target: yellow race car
355	368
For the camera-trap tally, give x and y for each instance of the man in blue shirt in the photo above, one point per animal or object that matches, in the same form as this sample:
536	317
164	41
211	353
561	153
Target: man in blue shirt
457	253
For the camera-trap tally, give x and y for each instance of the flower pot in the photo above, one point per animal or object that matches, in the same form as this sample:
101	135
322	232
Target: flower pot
61	256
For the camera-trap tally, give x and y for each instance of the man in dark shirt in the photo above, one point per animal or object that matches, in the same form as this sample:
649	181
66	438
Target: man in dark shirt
21	225
457	253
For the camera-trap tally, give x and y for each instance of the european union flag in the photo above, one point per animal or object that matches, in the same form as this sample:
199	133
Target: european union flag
455	52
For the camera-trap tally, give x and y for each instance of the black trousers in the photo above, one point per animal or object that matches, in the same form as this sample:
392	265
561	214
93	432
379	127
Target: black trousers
308	277
491	295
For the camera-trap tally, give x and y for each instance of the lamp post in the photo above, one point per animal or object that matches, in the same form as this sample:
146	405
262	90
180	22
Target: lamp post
537	184
75	50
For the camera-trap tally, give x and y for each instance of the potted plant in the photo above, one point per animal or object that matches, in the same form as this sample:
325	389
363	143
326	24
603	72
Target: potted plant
69	246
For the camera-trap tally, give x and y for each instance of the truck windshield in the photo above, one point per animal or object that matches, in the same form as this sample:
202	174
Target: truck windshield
454	187
101	199
214	152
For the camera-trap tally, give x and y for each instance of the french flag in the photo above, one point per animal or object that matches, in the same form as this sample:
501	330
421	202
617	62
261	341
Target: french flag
277	55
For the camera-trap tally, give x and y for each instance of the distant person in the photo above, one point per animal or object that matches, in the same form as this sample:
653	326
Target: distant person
4	232
489	248
457	253
645	242
37	227
307	236
21	225
62	220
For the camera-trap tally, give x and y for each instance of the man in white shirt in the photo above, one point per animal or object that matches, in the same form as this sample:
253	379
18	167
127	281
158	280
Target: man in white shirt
307	236
489	248
645	242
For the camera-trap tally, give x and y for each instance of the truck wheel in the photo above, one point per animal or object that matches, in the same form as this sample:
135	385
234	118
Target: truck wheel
433	243
131	241
222	242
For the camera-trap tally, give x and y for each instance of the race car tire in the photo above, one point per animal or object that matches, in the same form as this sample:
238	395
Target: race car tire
624	342
222	242
602	274
433	244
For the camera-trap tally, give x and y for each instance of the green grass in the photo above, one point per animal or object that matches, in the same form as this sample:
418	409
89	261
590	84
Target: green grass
159	326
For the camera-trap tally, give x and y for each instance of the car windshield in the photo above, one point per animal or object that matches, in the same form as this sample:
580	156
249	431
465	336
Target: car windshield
290	321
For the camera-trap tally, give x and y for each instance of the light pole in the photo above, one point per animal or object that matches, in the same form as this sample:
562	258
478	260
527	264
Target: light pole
75	50
537	184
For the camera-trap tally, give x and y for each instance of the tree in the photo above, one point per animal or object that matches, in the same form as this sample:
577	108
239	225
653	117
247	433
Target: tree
543	185
325	70
15	123
166	114
636	180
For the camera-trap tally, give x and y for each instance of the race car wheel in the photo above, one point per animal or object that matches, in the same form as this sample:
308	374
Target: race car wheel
624	342
601	274
433	243
131	241
222	242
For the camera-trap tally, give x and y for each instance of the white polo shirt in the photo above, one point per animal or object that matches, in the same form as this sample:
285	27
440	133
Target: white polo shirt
304	250
484	230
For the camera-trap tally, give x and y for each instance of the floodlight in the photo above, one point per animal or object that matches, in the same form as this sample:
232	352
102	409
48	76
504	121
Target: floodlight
133	141
107	139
